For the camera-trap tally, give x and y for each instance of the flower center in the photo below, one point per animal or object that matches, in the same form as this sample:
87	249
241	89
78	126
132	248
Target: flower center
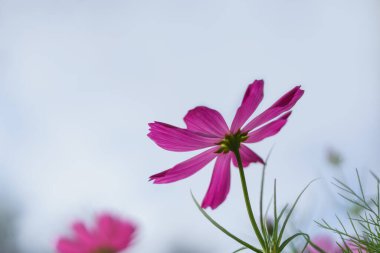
104	250
231	142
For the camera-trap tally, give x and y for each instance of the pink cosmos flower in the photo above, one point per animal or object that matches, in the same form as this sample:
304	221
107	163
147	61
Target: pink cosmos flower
206	128
110	235
325	243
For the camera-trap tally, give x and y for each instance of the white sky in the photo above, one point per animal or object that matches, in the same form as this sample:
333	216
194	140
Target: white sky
80	80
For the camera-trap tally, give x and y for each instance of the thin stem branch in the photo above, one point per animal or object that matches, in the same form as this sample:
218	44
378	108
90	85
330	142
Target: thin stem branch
247	201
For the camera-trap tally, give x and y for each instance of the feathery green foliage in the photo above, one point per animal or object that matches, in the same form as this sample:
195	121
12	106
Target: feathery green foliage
363	230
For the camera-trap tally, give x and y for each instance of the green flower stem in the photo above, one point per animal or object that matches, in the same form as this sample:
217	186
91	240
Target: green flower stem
247	201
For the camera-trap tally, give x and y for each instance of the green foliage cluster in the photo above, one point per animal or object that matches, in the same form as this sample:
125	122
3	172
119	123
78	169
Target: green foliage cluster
363	231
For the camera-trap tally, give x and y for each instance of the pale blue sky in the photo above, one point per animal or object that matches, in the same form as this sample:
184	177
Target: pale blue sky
80	80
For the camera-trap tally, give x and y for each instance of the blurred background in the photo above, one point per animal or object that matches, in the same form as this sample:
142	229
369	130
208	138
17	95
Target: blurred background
80	80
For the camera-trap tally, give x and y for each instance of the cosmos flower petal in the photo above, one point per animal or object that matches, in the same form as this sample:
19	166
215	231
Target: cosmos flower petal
178	139
125	235
83	235
68	246
220	182
185	169
252	98
116	232
268	130
205	120
247	157
106	227
284	104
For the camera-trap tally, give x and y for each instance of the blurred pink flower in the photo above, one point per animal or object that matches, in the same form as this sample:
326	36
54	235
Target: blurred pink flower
355	249
207	128
325	243
110	235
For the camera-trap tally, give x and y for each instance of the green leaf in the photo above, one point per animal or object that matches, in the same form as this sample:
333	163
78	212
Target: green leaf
314	245
262	217
287	241
291	211
240	249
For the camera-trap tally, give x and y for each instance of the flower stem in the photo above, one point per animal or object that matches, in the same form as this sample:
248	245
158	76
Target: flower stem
247	201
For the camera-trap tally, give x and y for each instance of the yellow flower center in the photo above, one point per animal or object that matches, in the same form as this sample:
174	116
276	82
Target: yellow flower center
231	142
